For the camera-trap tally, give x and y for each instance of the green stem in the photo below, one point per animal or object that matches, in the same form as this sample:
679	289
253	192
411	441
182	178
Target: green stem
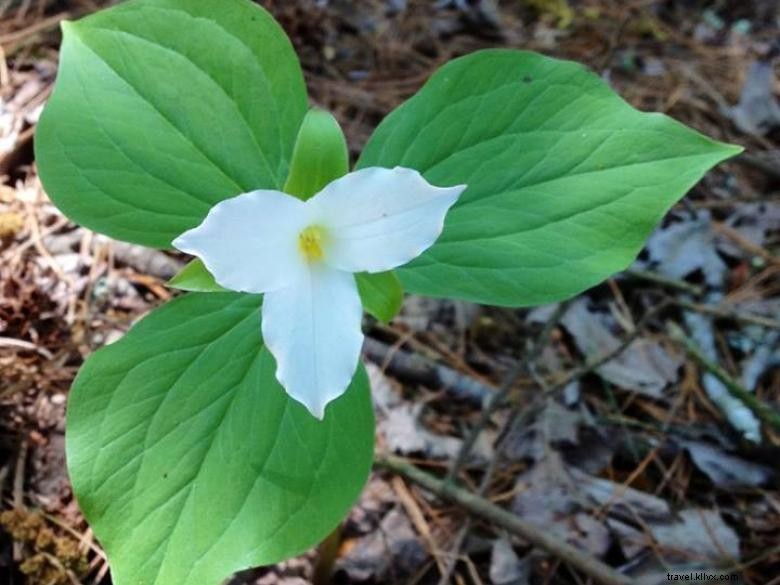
328	552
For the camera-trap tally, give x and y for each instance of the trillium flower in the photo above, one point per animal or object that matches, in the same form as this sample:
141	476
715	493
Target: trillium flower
302	255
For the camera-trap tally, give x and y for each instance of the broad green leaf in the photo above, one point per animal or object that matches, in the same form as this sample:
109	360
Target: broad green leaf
163	108
190	461
320	155
565	179
195	277
381	293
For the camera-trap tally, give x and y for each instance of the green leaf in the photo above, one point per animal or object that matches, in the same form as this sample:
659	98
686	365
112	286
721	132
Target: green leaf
195	277
320	155
381	293
190	461
565	179
162	108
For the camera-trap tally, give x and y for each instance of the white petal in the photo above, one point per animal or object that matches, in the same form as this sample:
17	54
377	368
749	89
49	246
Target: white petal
250	242
312	328
378	219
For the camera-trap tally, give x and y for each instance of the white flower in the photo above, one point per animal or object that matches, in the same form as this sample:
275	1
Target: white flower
301	255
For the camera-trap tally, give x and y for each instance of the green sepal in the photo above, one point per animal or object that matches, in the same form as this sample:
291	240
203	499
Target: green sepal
195	277
320	155
382	294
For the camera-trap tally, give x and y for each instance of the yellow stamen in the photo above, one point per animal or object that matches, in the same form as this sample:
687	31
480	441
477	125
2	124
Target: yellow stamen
310	242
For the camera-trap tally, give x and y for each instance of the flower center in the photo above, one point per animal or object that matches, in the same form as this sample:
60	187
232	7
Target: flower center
310	243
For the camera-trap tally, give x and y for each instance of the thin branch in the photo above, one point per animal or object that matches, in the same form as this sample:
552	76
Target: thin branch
497	398
460	537
41	26
495	402
599	361
763	411
18	495
664	281
484	509
421	370
762	164
25	345
593	364
722	311
725	312
746	244
57	564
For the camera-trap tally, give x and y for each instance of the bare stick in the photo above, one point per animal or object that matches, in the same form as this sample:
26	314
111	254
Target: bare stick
593	364
526	365
665	281
25	345
725	312
767	166
763	411
460	537
421	370
484	509
497	398
493	403
21	464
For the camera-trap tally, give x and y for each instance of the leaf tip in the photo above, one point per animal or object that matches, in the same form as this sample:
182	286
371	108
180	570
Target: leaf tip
68	27
733	149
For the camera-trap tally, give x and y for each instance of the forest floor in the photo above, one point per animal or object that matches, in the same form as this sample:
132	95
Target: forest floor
614	437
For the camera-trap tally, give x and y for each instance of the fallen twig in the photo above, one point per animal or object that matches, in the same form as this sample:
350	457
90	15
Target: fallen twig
763	411
744	243
762	164
722	311
18	493
57	564
13	39
25	345
497	398
482	508
664	281
417	518
420	370
492	404
726	312
599	361
460	537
